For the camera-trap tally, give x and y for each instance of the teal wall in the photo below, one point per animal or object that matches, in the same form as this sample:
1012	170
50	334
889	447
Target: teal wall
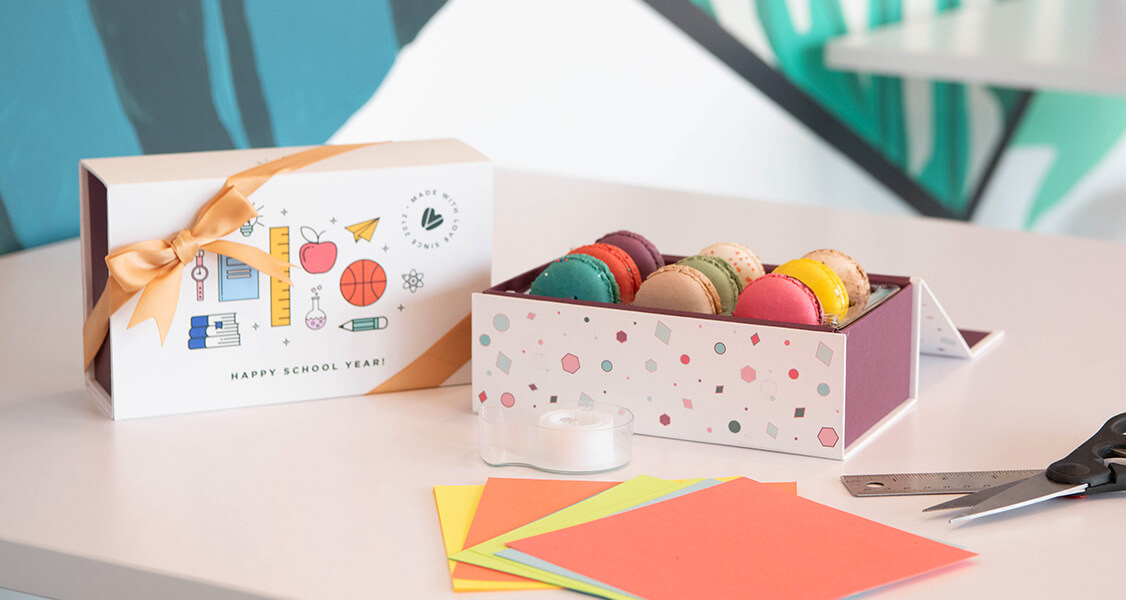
94	78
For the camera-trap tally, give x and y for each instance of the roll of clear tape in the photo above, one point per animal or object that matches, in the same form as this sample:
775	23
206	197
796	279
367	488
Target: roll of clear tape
577	439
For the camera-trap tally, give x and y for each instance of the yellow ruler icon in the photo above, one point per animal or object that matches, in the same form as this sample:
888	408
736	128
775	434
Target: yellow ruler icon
279	290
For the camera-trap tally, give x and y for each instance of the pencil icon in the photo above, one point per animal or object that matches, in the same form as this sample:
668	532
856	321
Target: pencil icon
365	324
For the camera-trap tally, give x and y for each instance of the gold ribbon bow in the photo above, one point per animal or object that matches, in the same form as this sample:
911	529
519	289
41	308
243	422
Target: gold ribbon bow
155	267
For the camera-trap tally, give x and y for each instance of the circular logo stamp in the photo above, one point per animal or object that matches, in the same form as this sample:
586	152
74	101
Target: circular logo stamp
430	219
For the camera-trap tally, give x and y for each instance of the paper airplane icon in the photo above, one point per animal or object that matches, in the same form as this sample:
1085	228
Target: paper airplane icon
363	229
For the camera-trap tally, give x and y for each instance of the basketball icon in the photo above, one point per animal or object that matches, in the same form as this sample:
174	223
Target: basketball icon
363	282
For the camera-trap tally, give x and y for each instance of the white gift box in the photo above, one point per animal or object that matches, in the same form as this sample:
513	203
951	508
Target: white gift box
813	390
386	243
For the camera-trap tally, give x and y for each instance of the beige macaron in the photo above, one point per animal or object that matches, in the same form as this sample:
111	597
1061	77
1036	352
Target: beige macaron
851	273
681	288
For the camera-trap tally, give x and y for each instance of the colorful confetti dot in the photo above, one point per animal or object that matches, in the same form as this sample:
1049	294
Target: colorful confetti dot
684	359
823	389
586	319
793	373
570	363
485	339
720	348
828	437
607	366
503	362
500	322
734	426
507	399
824	353
787	342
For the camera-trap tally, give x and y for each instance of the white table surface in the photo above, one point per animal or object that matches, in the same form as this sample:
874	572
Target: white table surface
1068	45
333	499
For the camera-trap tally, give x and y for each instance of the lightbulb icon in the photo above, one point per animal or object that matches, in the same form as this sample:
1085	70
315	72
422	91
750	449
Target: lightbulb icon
248	227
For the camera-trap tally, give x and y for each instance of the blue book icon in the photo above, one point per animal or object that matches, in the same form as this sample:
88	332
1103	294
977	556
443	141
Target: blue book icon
237	280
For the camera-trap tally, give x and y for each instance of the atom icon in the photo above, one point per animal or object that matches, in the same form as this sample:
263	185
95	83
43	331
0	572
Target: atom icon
412	281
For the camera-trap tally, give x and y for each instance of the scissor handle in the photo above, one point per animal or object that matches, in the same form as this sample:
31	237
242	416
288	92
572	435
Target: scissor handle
1086	464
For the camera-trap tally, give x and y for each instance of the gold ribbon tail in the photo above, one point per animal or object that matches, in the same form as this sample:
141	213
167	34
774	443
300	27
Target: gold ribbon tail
436	364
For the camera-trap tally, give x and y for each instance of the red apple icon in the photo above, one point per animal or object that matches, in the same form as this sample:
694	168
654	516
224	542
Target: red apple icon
316	256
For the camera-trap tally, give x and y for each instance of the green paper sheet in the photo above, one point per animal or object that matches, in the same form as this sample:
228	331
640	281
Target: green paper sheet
623	496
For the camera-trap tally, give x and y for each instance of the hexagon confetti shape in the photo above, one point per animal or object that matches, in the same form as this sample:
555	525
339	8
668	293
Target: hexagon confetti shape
747	373
570	363
828	437
622	336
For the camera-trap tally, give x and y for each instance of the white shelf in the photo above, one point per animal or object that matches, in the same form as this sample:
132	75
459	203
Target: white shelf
1065	45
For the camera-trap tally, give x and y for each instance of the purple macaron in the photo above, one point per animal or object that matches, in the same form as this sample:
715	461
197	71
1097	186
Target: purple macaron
641	250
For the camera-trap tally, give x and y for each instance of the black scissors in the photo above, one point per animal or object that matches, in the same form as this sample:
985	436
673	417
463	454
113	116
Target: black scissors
1083	472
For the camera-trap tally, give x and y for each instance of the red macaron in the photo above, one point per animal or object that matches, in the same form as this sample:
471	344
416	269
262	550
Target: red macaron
625	270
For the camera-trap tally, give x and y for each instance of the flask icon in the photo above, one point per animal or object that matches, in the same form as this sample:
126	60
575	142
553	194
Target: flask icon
315	318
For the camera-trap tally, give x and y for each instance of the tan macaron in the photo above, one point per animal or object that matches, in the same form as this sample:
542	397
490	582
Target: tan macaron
851	273
681	288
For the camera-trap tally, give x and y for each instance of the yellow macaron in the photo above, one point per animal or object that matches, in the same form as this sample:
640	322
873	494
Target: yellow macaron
824	283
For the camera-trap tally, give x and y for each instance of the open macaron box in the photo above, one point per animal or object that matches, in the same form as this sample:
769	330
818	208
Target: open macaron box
804	389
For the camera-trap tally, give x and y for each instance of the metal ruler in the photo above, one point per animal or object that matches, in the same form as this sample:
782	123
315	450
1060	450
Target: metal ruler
914	484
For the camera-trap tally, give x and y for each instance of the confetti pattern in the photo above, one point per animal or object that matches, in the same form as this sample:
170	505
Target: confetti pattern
737	384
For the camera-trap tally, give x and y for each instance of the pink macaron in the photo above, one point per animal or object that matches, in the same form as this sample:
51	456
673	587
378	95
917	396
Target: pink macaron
777	297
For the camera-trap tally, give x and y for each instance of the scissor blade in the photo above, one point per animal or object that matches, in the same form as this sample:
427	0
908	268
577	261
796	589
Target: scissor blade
973	498
1027	491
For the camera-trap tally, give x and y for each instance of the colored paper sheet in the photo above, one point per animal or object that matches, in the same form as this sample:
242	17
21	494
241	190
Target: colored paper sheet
506	504
739	539
531	561
618	498
456	507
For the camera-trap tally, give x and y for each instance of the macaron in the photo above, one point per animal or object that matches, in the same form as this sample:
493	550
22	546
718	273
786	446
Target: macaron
677	287
722	275
641	250
778	297
746	264
621	265
851	273
577	277
829	288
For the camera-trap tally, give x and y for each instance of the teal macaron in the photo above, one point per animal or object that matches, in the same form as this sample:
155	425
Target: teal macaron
577	277
722	275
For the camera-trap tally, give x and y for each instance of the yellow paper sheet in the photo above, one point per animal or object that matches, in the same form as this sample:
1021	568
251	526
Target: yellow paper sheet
628	494
456	506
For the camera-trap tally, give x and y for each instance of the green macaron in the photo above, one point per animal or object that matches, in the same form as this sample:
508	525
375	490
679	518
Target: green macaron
577	277
727	282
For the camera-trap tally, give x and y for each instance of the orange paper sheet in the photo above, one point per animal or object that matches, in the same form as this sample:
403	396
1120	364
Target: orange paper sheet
509	503
740	539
